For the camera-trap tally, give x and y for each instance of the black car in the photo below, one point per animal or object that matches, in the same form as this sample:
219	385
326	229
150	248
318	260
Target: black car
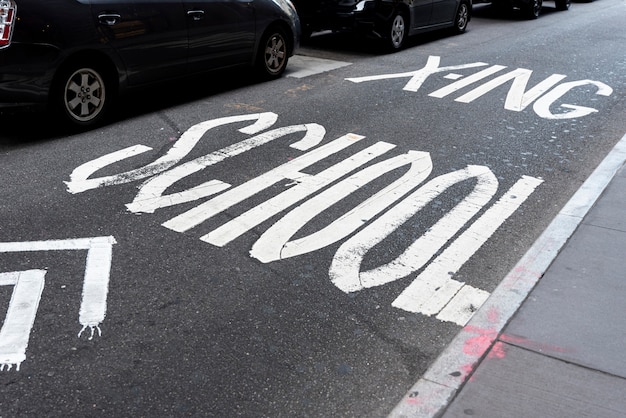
390	20
531	9
78	55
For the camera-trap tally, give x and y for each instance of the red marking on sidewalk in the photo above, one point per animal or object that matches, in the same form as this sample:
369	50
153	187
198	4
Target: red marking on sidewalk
478	345
414	399
497	351
487	342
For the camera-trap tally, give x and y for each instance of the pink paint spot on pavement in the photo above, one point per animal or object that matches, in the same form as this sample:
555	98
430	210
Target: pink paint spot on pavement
478	345
497	351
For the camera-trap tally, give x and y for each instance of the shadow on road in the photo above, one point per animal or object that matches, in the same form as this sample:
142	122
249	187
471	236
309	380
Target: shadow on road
366	45
23	126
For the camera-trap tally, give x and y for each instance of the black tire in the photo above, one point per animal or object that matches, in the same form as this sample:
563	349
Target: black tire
82	95
462	17
562	4
533	9
273	54
397	31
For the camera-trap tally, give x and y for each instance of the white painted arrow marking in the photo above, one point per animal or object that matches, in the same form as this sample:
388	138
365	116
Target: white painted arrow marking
29	285
15	332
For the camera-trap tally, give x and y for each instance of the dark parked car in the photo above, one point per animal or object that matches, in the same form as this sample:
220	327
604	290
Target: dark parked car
77	55
390	20
531	9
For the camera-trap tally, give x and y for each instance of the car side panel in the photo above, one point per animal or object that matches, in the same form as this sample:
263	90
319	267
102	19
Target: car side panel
221	32
421	12
149	35
444	11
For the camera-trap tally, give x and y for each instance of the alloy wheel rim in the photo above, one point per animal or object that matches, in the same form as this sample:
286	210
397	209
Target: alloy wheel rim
84	95
275	54
462	16
397	31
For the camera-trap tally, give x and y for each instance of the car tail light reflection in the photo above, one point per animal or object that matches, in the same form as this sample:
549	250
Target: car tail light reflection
7	15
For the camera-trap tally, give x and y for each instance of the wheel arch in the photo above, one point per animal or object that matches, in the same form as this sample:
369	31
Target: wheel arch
104	66
263	69
280	24
387	11
89	57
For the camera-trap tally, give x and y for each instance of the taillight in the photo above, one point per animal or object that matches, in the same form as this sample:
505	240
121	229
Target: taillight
7	17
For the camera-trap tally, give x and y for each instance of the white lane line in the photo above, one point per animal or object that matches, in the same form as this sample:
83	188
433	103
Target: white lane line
95	283
15	331
301	66
432	393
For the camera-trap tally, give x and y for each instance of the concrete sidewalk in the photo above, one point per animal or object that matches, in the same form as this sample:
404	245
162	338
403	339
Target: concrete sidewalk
551	340
564	352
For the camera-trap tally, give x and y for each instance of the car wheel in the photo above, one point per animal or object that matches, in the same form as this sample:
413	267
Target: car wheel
82	96
397	31
533	9
273	54
562	4
462	18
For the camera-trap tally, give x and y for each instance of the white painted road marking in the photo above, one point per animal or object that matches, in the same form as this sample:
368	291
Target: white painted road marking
29	284
15	332
150	196
301	66
433	291
273	245
314	193
290	170
418	77
517	99
80	181
345	270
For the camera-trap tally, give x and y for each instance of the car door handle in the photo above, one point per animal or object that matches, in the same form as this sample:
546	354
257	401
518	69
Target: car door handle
196	14
109	19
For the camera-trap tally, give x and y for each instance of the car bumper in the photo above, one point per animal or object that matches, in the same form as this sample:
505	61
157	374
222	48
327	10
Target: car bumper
368	16
26	73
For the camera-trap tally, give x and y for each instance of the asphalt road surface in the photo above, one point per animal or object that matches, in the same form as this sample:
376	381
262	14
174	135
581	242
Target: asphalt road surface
301	247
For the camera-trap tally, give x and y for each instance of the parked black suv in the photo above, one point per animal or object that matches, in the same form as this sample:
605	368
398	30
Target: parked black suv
77	55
